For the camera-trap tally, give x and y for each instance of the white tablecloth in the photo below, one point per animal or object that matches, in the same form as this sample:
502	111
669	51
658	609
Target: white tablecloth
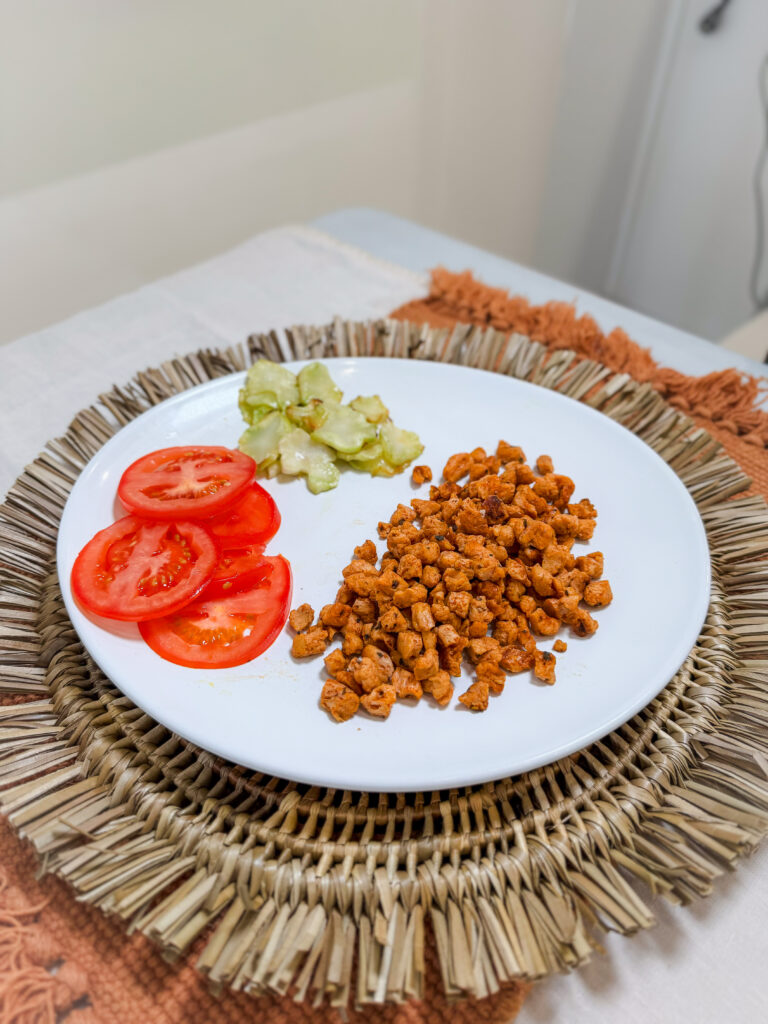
703	963
293	275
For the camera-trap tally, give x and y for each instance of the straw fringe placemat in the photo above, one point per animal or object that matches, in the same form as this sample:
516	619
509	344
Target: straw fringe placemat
331	896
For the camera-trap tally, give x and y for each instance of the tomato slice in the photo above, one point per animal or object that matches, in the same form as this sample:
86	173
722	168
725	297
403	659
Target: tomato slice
185	483
137	569
254	518
225	631
240	567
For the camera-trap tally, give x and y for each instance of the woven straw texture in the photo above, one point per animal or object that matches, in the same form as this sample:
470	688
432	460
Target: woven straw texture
337	898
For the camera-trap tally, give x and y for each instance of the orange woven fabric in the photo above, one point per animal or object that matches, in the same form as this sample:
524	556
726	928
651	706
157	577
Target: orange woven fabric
725	402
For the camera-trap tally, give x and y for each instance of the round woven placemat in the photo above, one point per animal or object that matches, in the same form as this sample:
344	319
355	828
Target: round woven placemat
331	895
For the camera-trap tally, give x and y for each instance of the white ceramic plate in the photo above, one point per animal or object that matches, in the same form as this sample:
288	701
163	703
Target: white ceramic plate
265	714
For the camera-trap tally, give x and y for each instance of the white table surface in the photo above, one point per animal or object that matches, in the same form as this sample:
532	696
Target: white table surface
703	963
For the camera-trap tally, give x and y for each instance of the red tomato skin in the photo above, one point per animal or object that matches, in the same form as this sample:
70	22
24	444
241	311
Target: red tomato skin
247	568
275	598
126	608
239	472
254	517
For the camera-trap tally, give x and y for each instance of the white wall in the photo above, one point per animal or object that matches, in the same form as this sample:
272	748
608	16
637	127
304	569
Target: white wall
137	138
491	74
688	250
649	190
86	83
79	242
610	61
607	143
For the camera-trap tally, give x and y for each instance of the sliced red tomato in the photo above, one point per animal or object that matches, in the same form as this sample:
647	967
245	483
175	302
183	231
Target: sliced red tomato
137	569
240	567
253	518
225	631
191	482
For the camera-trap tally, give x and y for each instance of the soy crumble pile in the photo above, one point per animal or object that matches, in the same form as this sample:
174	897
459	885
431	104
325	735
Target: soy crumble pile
476	571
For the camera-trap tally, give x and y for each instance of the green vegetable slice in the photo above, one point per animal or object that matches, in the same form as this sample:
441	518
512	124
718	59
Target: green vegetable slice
301	455
298	426
378	468
372	407
370	459
269	384
400	446
368	455
309	417
261	441
344	429
383	468
315	382
323	477
250	413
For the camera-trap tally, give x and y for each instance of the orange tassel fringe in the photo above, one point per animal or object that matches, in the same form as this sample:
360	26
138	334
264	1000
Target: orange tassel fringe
29	992
727	397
